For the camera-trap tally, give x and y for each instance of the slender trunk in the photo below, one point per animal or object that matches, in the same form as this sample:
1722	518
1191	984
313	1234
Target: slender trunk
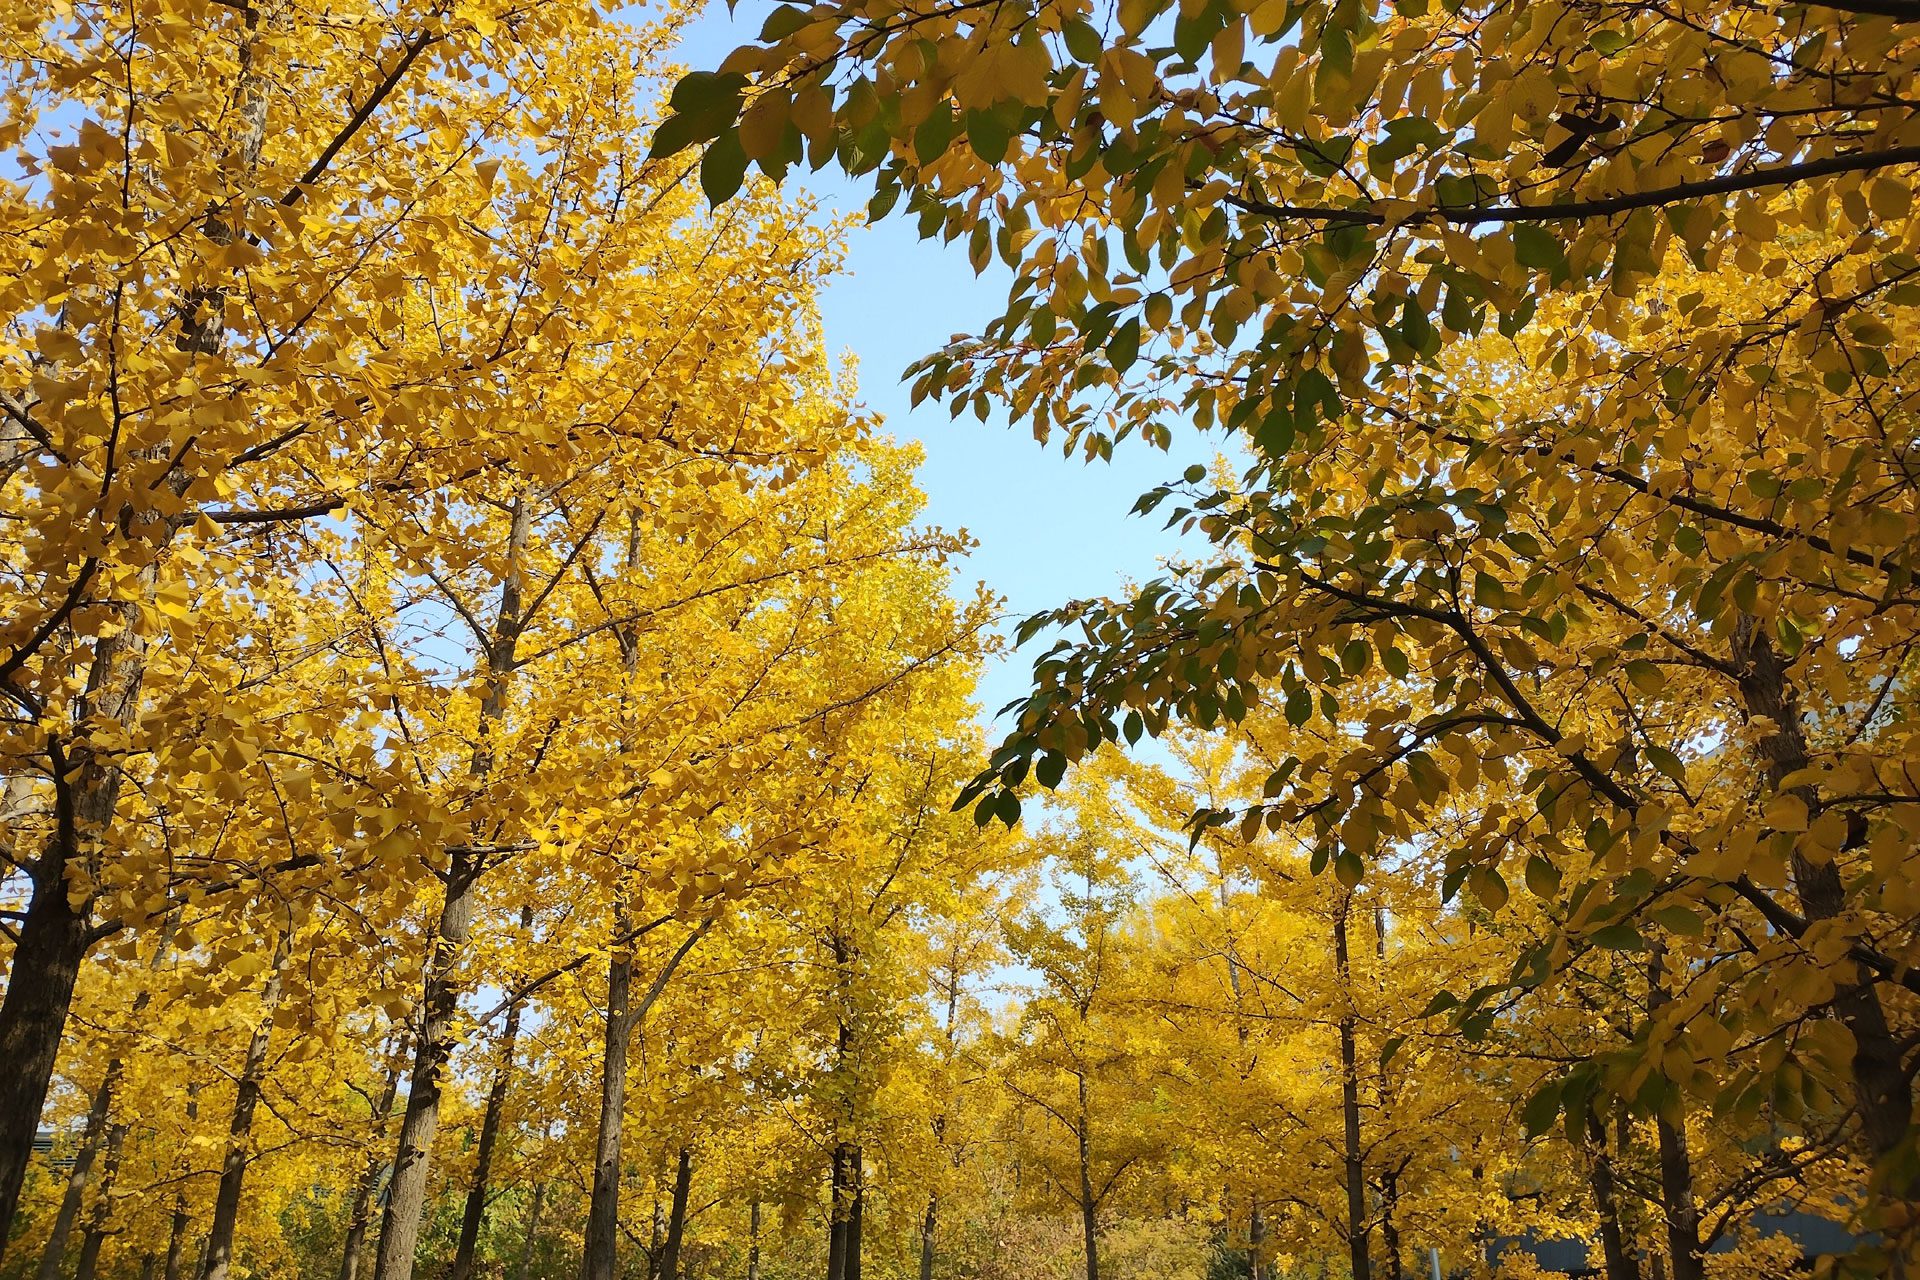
927	1226
838	1211
33	1015
407	1193
1389	1229
753	1240
1357	1230
55	1252
476	1210
233	1169
102	1216
1883	1091
1256	1225
1089	1204
176	1239
149	1263
1676	1202
1620	1262
677	1217
55	935
1676	1163
533	1230
856	1215
623	1015
407	1190
376	1164
653	1239
603	1211
1389	1181
177	1228
842	1244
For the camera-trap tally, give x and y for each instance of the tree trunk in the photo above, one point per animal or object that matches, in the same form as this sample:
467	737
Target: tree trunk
654	1237
55	1252
407	1193
176	1238
533	1230
1256	1243
623	1015
753	1240
407	1190
838	1211
233	1169
476	1210
102	1215
603	1210
33	1015
1620	1261
1357	1231
677	1217
177	1228
116	1132
1676	1202
1883	1091
1389	1230
376	1163
856	1216
1089	1204
1676	1163
927	1225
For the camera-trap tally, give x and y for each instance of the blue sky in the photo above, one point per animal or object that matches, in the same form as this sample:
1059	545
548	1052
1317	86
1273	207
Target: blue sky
1050	528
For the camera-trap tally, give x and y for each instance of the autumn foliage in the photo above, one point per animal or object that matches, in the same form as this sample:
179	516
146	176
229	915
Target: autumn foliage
492	778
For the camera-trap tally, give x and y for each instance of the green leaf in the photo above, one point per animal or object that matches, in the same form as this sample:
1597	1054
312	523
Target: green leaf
1542	1109
1646	676
782	22
987	136
1668	763
1348	869
1607	42
675	134
1124	345
1675	918
1535	246
723	168
1441	1002
935	134
1618	937
1008	808
1051	768
1299	706
1315	395
1543	878
1083	42
700	93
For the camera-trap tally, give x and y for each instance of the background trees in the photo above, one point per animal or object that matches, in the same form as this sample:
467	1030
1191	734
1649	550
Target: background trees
485	713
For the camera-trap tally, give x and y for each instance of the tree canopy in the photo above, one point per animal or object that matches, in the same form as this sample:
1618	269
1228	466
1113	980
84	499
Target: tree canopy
493	784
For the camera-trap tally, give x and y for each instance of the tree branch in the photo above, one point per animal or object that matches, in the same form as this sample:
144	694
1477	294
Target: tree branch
1726	184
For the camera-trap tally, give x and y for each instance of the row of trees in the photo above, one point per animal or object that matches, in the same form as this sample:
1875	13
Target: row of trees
482	719
464	655
1562	569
